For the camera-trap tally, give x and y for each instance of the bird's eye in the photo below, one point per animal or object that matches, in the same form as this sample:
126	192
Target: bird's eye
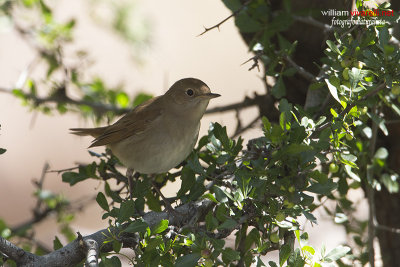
189	92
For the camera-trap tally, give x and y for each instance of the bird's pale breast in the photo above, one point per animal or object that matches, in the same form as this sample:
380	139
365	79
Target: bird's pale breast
157	151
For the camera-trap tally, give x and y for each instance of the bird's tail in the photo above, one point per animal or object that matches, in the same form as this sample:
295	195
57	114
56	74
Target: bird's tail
95	132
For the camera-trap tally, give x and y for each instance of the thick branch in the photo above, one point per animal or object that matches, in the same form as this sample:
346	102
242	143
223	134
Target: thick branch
92	251
76	251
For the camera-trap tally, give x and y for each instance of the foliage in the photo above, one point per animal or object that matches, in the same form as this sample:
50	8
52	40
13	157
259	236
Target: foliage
260	193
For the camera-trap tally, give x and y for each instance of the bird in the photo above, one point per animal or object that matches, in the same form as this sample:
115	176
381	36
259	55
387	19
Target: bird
158	134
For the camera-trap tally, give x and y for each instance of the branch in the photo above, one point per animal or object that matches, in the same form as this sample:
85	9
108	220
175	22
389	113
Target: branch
76	251
307	75
11	250
99	108
247	102
92	254
240	129
313	22
226	19
386	228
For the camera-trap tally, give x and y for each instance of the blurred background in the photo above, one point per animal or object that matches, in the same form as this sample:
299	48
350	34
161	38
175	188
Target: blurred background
163	48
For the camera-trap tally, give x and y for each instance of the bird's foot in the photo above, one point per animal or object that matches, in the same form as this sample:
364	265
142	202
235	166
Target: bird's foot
167	204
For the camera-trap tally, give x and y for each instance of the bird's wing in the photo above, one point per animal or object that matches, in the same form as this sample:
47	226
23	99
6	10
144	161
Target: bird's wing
133	123
95	132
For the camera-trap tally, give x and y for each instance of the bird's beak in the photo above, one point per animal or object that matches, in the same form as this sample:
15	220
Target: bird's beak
210	95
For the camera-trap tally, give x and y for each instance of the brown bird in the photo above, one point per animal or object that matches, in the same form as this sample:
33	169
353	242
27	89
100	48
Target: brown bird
160	133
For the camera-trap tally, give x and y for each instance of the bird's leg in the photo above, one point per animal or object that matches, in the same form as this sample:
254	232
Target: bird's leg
166	203
129	176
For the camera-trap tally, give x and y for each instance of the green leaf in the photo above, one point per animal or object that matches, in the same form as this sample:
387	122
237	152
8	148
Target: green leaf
126	210
246	23
252	238
136	226
381	153
355	76
266	124
297	148
337	253
284	254
295	259
73	178
228	224
384	37
221	134
211	222
279	89
348	170
210	197
390	182
349	160
195	165
116	245
109	192
123	99
332	90
110	262
323	189
19	93
308	249
44	7
160	227
229	255
57	243
102	201
220	194
62	108
334	113
188	260
152	202
319	176
381	123
188	180
258	262
140	98
2	150
395	108
309	216
233	5
340	218
333	47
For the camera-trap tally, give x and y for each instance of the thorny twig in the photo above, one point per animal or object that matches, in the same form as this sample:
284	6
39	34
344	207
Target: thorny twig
226	19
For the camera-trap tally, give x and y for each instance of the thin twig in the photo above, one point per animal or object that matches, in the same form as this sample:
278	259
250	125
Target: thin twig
100	108
248	126
226	19
255	60
313	22
63	170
